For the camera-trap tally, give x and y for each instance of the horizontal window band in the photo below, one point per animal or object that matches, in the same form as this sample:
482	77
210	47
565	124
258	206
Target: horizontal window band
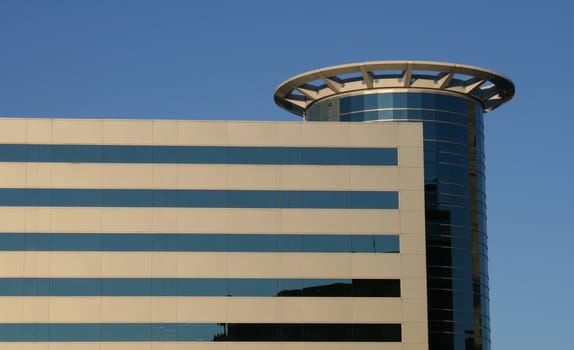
206	332
235	287
170	242
45	197
197	154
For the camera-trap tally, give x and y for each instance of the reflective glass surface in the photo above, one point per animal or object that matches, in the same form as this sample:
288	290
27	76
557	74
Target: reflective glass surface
234	287
197	154
213	242
39	197
454	200
207	332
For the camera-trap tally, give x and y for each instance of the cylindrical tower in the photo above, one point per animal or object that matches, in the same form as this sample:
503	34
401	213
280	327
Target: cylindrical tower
449	99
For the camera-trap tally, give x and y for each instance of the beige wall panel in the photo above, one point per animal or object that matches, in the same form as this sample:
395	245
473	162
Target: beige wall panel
422	346
197	309
35	310
122	310
125	176
377	310
74	175
40	130
339	221
13	175
202	133
410	134
412	221
13	130
125	132
204	309
39	175
411	156
73	131
413	287
127	219
413	265
75	264
13	219
198	220
37	264
200	176
64	310
415	332
379	134
411	200
326	134
411	178
200	264
376	265
251	133
208	346
75	220
165	132
289	133
413	243
414	310
12	264
251	177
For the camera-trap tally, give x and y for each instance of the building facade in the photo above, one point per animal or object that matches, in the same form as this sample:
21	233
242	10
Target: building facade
449	101
147	234
362	227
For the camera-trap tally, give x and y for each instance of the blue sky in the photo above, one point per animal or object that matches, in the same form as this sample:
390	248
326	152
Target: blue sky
223	59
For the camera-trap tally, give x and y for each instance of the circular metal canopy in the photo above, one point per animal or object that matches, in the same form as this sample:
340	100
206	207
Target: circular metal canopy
489	88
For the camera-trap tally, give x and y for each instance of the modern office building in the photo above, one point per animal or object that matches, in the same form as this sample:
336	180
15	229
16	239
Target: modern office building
158	234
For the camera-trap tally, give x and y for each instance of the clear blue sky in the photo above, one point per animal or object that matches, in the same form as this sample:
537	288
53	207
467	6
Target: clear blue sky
223	59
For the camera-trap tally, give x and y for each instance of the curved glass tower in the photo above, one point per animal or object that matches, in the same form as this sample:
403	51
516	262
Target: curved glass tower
449	100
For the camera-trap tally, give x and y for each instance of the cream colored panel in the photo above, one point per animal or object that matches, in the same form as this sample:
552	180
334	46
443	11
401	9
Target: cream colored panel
410	134
413	265
289	134
74	175
71	131
411	156
208	346
414	310
376	265
326	134
374	134
413	287
75	264
411	178
13	219
202	133
199	220
165	132
415	346
40	130
415	332
201	176
125	176
13	130
412	221
413	243
251	133
164	310
125	132
74	220
377	310
13	175
39	175
64	310
200	264
411	200
200	309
